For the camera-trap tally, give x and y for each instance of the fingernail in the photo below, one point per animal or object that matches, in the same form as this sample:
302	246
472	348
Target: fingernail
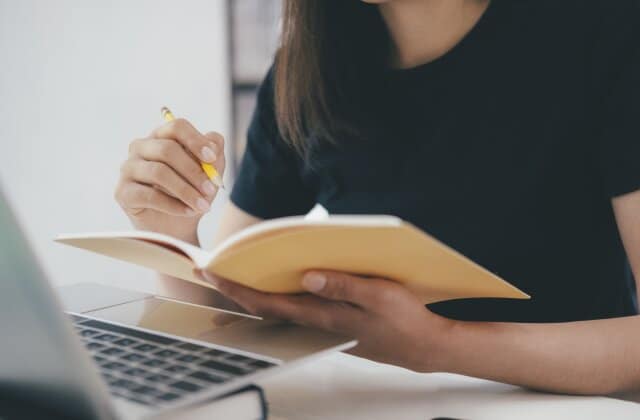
202	204
209	188
208	154
314	282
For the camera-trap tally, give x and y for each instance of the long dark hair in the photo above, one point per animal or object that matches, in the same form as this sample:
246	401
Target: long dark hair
331	51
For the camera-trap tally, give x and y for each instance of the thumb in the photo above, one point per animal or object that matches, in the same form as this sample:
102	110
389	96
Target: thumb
341	287
220	162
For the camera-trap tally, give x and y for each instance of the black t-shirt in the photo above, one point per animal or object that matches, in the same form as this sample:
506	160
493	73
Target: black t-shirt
509	148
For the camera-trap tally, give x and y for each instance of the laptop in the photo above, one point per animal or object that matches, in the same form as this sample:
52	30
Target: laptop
91	351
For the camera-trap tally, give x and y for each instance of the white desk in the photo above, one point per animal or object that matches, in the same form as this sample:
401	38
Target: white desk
345	387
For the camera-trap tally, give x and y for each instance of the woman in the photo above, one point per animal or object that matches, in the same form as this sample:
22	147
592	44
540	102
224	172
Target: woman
507	129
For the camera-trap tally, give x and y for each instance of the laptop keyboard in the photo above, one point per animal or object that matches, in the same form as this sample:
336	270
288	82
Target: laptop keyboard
154	370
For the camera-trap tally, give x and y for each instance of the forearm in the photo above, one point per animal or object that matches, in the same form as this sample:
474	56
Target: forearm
589	357
170	285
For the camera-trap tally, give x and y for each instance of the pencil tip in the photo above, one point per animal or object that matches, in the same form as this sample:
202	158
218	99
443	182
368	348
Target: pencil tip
219	183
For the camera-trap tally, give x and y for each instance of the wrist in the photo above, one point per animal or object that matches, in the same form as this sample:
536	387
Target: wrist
443	344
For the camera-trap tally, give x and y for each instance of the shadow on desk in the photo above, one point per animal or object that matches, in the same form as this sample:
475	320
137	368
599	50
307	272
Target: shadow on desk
345	387
633	396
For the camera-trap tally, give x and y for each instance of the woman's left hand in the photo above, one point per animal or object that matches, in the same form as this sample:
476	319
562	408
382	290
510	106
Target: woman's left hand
390	324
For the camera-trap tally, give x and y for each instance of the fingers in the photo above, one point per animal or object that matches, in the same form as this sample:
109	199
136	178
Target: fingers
163	176
170	163
180	130
134	197
371	293
174	155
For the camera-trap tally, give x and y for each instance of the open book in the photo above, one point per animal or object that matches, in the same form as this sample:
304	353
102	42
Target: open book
273	255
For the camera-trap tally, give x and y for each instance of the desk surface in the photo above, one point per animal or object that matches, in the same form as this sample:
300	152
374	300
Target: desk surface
340	386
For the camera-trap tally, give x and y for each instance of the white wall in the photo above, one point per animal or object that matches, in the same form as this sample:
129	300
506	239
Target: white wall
78	80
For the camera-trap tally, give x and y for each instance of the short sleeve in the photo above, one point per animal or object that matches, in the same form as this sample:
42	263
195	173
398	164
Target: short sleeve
619	143
269	182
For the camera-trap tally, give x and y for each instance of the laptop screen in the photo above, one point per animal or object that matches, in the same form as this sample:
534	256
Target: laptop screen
42	368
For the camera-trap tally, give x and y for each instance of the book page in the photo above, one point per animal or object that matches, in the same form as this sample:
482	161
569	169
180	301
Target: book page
403	253
281	225
145	249
199	256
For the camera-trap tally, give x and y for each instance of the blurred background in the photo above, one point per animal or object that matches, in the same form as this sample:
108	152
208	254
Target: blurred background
80	79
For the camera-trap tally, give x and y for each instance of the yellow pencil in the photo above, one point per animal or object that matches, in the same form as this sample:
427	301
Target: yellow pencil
209	169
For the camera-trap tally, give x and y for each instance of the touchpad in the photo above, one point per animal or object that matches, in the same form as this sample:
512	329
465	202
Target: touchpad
276	339
85	297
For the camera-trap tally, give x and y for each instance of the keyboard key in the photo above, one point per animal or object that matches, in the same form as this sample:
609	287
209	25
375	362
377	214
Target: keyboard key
108	377
190	347
136	372
249	369
215	352
177	369
94	346
112	351
238	358
137	400
146	347
189	358
99	359
186	386
144	390
86	332
106	337
130	332
123	383
114	366
224	367
169	396
133	357
158	377
166	353
207	377
125	342
155	363
128	397
261	364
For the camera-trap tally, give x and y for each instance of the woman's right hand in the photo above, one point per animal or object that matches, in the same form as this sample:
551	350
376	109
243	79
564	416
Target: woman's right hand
162	187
